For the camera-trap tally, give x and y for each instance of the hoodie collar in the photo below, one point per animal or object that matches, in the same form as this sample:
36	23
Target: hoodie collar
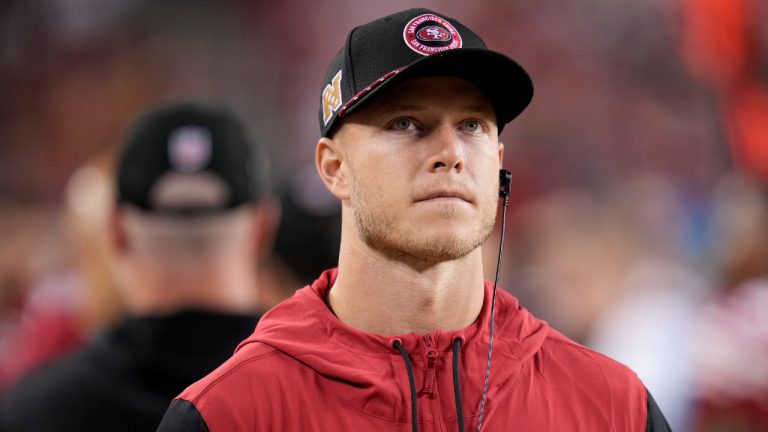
367	371
305	320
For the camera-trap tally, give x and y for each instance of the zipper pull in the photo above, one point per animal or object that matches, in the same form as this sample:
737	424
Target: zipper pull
428	347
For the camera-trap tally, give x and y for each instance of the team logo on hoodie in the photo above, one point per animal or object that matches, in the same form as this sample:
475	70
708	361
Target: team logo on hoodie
429	34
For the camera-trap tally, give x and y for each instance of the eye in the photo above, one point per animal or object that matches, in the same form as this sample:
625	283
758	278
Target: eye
403	124
472	126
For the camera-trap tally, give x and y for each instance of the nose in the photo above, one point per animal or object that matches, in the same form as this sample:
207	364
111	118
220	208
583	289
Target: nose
447	150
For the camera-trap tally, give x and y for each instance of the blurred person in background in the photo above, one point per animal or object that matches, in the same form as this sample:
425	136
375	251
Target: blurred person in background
730	344
60	65
649	322
610	270
63	306
569	252
37	316
89	203
191	223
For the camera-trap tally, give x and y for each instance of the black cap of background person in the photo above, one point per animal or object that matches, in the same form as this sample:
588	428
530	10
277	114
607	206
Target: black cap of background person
188	159
414	43
309	235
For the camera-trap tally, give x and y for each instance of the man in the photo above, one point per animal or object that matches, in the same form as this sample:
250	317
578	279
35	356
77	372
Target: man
191	223
397	338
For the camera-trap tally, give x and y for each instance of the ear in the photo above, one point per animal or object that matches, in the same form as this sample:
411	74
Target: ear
501	154
329	161
266	216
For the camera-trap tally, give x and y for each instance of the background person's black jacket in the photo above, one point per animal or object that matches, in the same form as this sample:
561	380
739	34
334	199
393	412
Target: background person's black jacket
125	379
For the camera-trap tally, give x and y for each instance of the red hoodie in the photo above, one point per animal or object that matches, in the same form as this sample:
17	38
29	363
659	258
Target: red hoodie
305	370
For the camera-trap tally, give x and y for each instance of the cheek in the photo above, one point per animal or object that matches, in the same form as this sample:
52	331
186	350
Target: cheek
372	186
488	166
490	182
385	169
484	152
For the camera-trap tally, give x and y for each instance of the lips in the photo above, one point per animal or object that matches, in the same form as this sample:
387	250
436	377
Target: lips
445	194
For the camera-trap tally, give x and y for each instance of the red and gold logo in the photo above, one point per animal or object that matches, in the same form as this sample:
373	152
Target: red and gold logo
429	34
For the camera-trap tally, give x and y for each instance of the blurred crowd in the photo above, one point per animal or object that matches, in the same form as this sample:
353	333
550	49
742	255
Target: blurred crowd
638	222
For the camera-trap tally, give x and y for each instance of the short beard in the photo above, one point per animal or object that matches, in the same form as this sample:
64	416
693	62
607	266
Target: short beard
377	228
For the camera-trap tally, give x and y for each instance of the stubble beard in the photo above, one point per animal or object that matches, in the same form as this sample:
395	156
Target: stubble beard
378	227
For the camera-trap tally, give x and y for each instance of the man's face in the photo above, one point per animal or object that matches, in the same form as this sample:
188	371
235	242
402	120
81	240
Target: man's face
422	161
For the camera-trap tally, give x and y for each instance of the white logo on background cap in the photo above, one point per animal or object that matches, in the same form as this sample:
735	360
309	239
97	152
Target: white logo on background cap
190	148
429	34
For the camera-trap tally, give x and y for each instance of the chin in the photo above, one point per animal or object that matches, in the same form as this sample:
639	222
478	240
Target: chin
426	239
429	249
437	252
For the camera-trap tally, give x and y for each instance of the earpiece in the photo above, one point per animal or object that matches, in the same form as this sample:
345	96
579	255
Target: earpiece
505	179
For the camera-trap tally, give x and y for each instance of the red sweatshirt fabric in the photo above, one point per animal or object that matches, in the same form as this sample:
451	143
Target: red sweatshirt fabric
305	370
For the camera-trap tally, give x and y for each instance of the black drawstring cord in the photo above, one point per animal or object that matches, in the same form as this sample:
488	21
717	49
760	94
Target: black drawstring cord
457	383
412	382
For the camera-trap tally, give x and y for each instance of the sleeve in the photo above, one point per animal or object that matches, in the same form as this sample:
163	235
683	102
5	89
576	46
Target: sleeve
656	421
182	415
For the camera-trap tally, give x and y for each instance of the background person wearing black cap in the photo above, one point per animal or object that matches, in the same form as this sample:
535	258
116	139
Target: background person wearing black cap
399	336
192	220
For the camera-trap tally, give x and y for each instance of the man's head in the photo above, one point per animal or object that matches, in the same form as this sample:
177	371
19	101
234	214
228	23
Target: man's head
417	43
192	200
410	118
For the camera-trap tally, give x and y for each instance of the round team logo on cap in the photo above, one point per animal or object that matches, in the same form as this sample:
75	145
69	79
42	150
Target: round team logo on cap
429	34
433	33
189	148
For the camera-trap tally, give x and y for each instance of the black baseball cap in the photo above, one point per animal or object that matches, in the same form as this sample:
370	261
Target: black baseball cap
190	159
417	43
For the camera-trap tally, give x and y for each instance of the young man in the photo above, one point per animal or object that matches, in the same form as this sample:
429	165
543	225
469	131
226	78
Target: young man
397	338
191	222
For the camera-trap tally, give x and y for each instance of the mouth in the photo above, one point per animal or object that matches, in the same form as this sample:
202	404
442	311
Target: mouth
445	195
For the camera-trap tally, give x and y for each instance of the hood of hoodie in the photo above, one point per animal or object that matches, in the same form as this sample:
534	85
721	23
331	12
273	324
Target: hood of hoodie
370	373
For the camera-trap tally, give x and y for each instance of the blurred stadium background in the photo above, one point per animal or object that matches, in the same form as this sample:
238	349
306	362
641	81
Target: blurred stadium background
638	221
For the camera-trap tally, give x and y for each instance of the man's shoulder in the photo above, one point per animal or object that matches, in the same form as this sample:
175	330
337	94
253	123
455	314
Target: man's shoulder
563	345
595	382
585	366
232	395
553	352
253	361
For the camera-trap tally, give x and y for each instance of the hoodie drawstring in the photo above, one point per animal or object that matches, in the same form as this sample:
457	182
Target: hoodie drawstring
412	383
457	384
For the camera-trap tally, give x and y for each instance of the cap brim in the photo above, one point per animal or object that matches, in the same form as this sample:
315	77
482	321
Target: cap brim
505	83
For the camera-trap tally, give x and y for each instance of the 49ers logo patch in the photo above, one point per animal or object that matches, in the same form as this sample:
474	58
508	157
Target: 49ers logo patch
429	34
331	97
433	33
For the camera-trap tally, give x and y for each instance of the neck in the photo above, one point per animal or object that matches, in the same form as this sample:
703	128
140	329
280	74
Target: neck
216	285
385	296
